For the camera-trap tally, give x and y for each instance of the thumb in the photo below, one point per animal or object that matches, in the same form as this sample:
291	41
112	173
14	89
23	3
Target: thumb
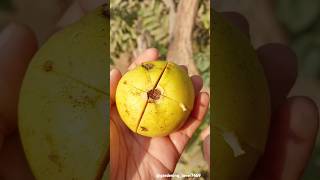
115	76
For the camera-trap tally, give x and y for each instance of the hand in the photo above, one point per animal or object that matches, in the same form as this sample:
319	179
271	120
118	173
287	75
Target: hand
18	45
295	121
137	157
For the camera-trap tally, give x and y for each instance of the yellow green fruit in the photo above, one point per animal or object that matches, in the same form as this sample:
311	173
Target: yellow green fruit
241	104
63	105
155	98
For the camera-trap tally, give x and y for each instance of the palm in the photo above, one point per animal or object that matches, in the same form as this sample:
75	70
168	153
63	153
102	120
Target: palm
133	151
156	155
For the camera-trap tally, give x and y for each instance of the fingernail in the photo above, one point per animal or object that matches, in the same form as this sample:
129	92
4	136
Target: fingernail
112	72
8	33
304	115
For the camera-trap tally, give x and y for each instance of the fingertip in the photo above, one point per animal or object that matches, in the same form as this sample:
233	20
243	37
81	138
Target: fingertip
205	98
19	36
72	14
280	67
291	140
197	115
238	21
76	11
150	54
201	105
205	133
304	118
197	83
184	68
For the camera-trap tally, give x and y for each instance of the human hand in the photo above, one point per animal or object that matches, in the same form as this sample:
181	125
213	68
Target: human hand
295	121
18	45
137	157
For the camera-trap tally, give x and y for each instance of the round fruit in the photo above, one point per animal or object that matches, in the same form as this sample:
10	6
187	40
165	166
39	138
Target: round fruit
63	109
241	104
155	98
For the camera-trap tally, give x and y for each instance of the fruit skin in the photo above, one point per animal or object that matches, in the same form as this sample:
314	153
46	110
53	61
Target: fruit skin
241	102
159	117
63	103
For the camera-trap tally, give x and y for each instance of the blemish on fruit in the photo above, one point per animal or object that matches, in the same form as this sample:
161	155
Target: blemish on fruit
147	66
143	128
83	101
154	94
127	111
48	66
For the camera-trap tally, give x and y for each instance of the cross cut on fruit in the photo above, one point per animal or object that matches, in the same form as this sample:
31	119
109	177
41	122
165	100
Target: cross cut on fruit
155	98
63	106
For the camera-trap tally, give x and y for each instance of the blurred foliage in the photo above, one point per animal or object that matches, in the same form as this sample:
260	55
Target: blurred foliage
132	19
201	61
302	20
6	5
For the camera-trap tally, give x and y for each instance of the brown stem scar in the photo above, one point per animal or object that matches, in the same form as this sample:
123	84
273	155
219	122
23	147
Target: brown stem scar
154	94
